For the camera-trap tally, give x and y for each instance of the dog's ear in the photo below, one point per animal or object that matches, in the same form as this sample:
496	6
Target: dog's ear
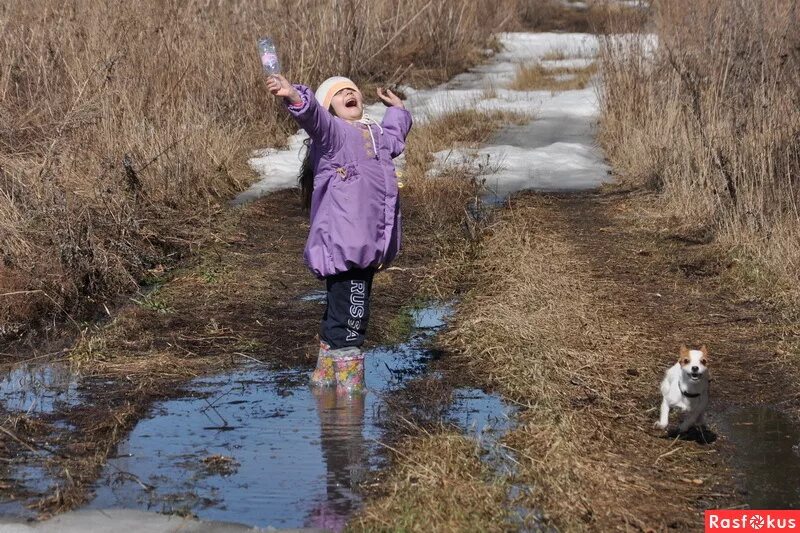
704	350
684	352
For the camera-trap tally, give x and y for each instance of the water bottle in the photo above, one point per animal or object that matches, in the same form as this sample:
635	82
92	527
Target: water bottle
269	57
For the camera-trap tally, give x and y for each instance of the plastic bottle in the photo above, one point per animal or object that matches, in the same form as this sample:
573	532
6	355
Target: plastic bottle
269	56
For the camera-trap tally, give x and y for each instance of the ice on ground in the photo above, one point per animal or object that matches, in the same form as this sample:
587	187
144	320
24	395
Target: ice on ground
484	88
560	166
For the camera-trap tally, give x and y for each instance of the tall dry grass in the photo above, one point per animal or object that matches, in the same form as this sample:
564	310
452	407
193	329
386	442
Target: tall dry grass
711	118
594	16
124	126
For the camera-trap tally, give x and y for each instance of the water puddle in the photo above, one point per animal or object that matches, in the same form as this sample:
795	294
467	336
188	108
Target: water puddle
768	455
261	447
31	392
320	296
39	389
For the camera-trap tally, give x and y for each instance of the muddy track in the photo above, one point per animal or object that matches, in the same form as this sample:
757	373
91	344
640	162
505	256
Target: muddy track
671	285
239	300
671	288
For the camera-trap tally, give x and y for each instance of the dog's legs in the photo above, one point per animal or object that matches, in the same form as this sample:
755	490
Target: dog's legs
663	421
691	420
701	419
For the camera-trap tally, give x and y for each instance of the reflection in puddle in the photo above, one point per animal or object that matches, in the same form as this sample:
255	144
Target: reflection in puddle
38	389
767	453
300	452
32	391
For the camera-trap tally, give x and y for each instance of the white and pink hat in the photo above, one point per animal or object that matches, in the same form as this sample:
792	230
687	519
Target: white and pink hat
331	86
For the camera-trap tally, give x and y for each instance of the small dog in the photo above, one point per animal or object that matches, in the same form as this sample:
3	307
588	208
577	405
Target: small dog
685	387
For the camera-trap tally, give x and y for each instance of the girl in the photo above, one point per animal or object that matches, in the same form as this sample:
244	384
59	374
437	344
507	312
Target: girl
348	180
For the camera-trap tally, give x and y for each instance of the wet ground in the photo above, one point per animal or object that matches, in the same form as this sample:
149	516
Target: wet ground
257	446
767	455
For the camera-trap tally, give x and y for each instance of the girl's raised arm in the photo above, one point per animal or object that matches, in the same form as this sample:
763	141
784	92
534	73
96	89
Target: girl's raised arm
396	123
303	106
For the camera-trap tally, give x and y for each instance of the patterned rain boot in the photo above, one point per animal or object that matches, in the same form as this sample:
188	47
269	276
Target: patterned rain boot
325	373
349	366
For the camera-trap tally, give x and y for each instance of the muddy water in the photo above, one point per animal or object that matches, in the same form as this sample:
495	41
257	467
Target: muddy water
261	447
35	391
767	454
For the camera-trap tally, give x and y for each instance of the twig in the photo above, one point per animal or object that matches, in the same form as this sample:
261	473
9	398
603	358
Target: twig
251	358
13	436
665	454
134	477
398	32
211	406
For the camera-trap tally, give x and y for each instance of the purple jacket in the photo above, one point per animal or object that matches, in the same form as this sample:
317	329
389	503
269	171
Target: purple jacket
355	214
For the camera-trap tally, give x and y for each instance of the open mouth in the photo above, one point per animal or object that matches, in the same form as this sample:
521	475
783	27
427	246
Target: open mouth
694	377
351	102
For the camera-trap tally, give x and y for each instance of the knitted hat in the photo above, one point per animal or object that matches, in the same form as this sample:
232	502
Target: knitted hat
330	87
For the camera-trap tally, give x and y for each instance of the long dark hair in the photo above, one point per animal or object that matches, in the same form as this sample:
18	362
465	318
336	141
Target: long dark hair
306	176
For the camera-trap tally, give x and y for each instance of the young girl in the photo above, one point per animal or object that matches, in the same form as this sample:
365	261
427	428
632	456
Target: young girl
349	182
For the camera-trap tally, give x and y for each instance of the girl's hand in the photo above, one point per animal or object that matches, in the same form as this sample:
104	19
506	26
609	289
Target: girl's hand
280	86
389	98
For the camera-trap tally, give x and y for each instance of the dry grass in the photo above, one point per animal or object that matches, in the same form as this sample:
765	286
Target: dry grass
440	484
517	330
533	77
124	127
711	120
538	327
439	206
600	16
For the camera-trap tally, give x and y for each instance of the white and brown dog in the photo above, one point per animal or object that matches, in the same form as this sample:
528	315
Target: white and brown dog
685	387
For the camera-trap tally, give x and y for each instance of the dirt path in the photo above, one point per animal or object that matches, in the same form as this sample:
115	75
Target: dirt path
674	287
654	290
239	301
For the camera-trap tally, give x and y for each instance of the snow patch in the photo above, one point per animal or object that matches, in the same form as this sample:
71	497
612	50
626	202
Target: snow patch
557	166
560	166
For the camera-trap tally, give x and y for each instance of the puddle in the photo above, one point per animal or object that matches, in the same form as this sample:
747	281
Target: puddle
296	455
768	455
34	391
320	296
38	389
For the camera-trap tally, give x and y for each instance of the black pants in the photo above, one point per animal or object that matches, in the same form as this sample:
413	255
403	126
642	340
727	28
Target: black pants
344	323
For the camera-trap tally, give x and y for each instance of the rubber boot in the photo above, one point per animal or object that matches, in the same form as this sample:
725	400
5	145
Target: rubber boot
349	366
325	373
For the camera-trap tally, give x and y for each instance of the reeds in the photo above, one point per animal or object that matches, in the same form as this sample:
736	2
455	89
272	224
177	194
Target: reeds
125	126
711	119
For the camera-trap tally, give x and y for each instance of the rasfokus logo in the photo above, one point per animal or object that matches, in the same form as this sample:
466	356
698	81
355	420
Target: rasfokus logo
752	520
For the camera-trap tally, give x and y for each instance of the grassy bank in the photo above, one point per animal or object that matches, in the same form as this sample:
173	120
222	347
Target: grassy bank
124	128
710	120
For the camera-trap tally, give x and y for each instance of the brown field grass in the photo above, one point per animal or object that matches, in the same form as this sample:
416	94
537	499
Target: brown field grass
532	77
441	484
711	120
599	16
124	127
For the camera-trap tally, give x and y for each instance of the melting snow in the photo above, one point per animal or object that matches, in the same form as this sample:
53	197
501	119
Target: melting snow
556	151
